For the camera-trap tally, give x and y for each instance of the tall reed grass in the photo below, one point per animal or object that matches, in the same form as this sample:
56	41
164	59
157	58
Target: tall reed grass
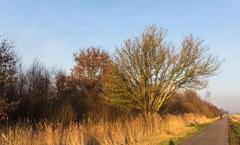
133	131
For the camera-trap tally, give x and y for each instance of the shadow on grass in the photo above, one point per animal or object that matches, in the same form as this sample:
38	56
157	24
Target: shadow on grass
171	142
92	141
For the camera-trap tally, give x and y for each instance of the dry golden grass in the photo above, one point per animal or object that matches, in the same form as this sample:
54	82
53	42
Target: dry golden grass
134	131
235	117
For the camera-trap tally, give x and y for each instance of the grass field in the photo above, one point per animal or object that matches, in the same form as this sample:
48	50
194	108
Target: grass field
132	132
234	130
177	140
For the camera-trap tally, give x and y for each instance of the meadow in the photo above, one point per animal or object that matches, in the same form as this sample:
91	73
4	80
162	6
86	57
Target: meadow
134	131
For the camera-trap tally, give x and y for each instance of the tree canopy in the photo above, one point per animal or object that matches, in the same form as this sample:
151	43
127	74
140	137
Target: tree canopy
148	69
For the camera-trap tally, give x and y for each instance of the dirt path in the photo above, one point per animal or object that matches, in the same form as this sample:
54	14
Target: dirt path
215	134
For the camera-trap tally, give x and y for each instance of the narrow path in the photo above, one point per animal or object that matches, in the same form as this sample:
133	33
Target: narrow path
215	134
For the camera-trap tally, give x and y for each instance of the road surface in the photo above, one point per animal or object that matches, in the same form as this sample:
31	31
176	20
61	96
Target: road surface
215	134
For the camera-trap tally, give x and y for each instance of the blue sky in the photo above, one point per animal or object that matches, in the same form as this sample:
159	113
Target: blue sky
52	30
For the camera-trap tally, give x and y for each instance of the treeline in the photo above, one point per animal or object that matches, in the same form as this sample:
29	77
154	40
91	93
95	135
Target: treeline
190	102
39	93
144	76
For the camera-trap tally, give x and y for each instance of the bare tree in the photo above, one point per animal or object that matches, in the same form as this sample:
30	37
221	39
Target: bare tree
148	70
35	92
7	76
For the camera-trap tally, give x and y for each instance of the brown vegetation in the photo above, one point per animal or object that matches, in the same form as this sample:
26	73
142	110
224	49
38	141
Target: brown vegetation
190	102
132	131
7	78
87	76
124	100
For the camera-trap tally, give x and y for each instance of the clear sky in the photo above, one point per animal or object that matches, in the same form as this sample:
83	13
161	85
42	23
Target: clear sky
52	30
